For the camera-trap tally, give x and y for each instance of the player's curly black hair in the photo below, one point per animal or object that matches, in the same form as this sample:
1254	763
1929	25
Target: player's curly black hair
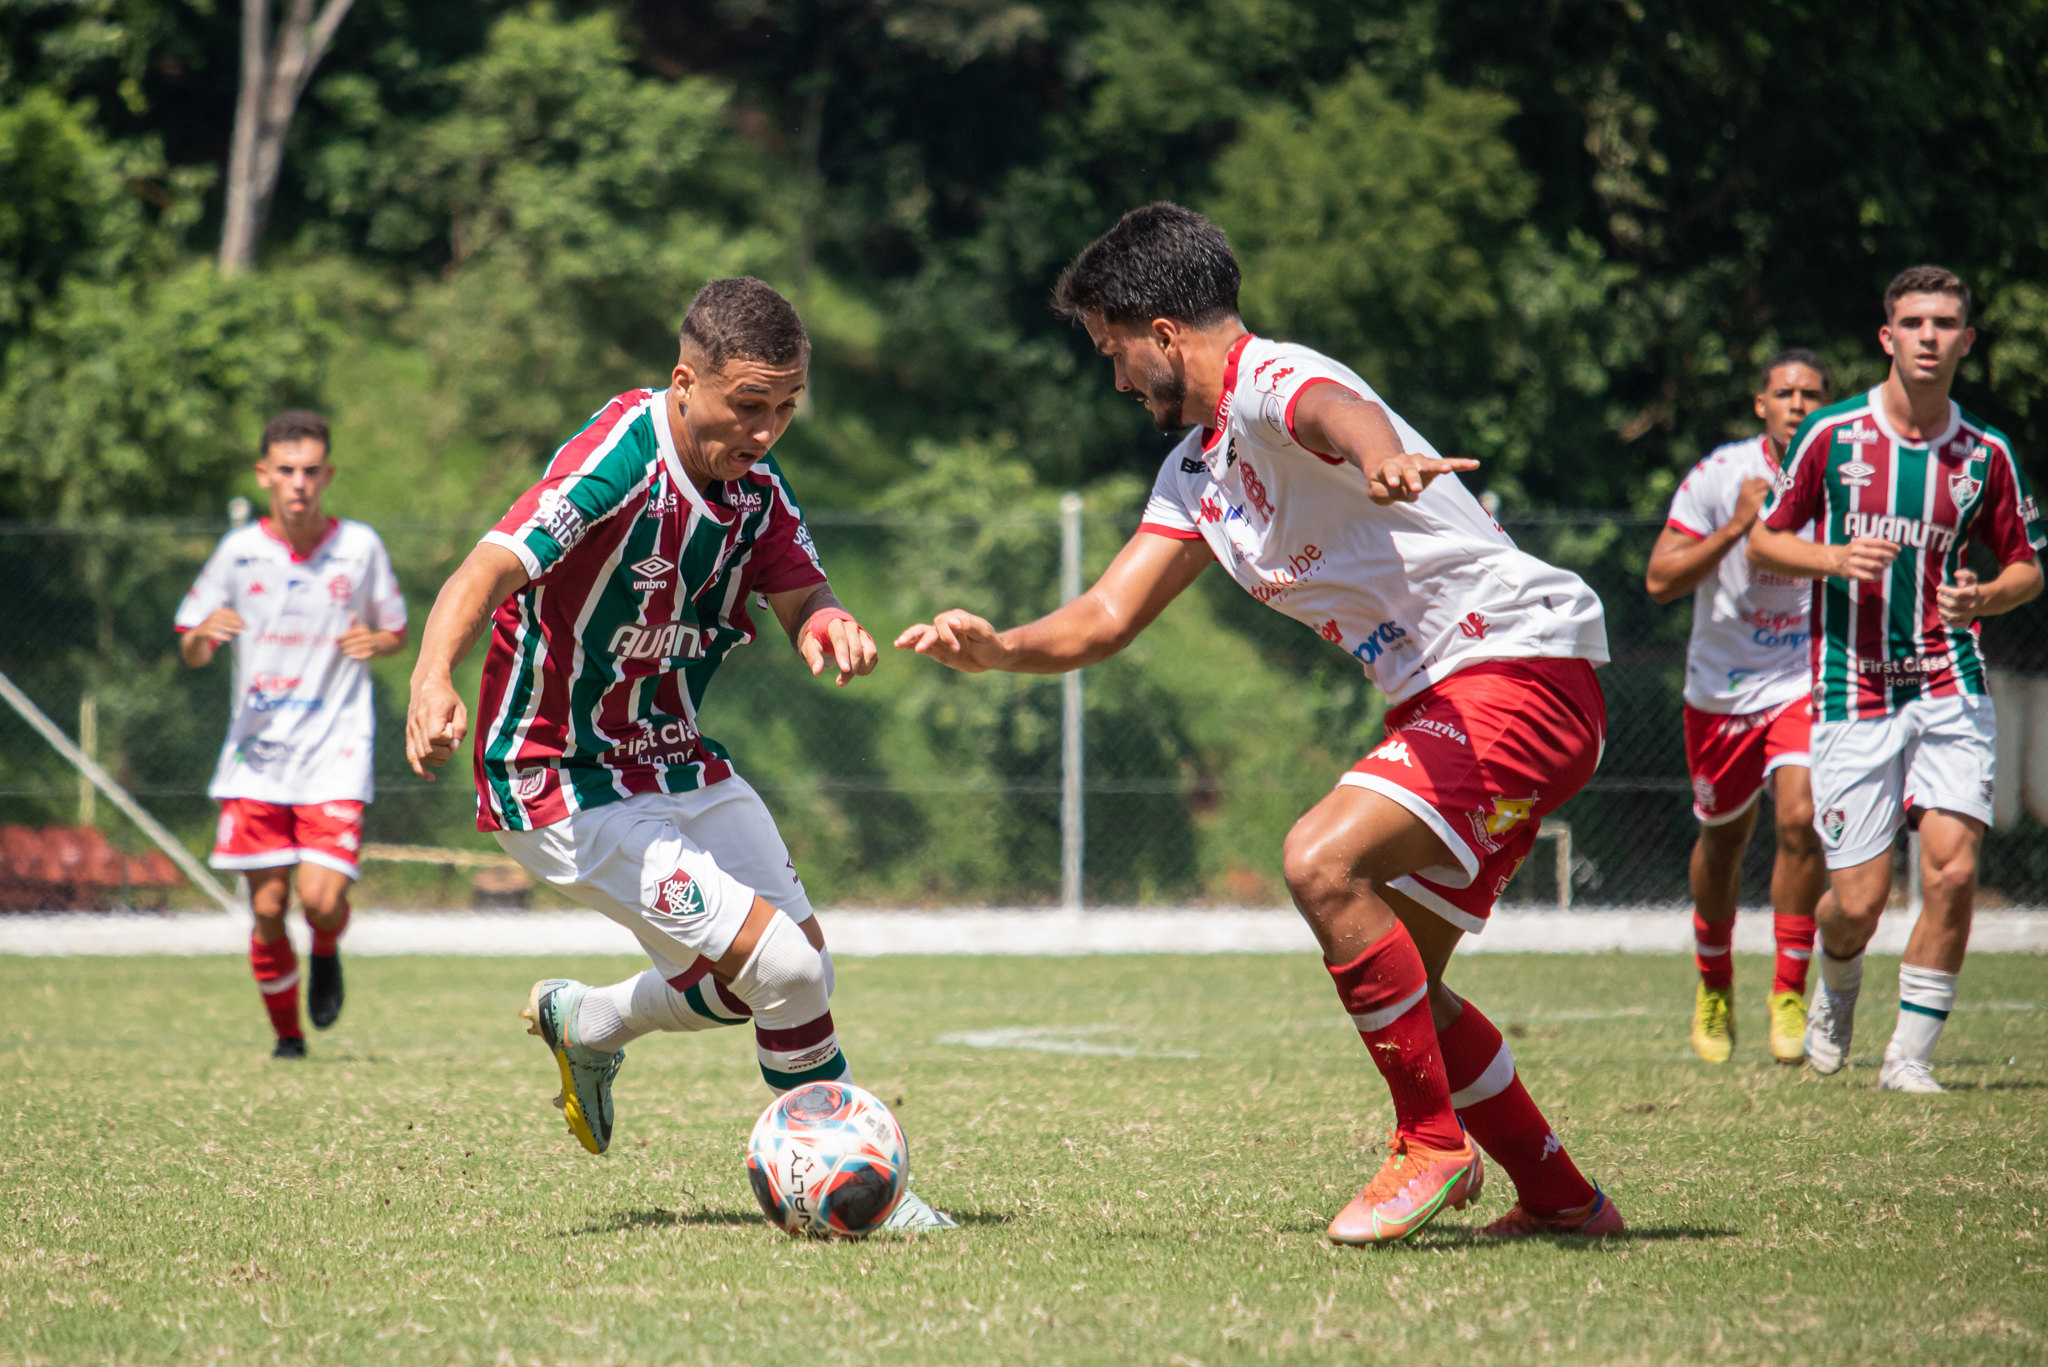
744	317
1161	261
1795	355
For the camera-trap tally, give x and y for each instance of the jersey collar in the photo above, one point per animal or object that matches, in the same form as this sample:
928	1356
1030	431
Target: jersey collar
1955	421
1214	431
672	460
270	530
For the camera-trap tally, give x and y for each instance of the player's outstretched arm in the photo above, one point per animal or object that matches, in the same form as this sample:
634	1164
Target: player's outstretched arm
1863	560
1147	574
823	632
1331	419
435	720
1679	562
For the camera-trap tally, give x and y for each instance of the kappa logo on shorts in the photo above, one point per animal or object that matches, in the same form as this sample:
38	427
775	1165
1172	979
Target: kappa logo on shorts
1393	751
678	897
1833	822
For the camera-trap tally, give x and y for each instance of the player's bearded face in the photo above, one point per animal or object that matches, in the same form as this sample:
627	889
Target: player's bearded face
1144	370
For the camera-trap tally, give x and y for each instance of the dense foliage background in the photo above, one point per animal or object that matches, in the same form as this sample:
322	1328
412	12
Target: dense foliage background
1557	236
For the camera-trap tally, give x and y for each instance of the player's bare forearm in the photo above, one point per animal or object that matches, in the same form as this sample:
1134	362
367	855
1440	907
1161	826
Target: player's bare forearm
2014	586
195	650
796	607
462	611
1336	422
1147	574
1679	562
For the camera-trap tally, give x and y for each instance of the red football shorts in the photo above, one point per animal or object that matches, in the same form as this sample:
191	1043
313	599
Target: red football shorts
1731	757
270	835
1482	757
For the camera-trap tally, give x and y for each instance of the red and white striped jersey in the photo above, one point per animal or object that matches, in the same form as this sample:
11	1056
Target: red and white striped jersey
1413	591
1877	646
639	589
303	723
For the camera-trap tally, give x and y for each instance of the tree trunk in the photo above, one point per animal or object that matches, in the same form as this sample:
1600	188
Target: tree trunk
274	76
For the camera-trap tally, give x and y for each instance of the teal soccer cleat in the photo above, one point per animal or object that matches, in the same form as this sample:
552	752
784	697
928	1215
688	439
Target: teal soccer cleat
586	1097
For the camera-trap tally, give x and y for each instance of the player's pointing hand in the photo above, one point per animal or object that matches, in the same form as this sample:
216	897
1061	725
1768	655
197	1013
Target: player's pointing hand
1402	478
957	639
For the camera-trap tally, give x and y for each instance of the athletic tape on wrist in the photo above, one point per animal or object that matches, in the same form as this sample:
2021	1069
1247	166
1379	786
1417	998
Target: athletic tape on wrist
817	625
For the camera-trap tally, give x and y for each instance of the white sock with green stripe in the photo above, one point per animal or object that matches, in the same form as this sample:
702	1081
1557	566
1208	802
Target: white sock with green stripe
613	1017
1926	996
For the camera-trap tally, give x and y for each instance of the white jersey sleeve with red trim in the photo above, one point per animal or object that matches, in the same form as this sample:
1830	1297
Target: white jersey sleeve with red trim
1751	629
384	603
210	592
1166	512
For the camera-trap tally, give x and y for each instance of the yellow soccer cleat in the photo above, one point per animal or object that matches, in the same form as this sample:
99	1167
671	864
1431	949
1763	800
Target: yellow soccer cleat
1788	1027
1713	1024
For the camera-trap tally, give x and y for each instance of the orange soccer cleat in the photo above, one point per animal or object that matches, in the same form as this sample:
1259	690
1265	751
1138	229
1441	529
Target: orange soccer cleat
1411	1187
1597	1219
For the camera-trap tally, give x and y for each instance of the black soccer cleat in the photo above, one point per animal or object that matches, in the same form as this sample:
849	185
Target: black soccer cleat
292	1046
323	990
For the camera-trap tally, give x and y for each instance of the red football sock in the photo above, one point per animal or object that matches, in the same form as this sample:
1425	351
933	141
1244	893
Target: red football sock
1711	950
1502	1120
1795	952
327	942
277	977
1387	994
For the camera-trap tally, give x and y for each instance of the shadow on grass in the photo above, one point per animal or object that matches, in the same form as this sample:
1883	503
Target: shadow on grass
657	1217
1634	1234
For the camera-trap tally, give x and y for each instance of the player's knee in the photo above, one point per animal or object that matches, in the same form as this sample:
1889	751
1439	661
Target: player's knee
324	904
1316	871
785	977
1954	875
1796	834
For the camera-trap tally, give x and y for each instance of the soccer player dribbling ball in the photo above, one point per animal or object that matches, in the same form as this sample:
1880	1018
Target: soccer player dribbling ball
1899	481
612	591
307	601
1320	501
1746	715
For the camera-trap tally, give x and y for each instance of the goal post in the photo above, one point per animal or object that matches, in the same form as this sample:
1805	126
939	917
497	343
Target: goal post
202	877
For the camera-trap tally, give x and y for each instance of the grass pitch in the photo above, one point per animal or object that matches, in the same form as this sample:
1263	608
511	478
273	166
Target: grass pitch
1142	1153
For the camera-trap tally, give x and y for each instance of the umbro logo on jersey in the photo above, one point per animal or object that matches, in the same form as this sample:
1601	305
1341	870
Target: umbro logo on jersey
1855	474
653	573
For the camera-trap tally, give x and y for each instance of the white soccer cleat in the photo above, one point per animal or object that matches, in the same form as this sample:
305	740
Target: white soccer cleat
1830	1025
912	1213
1906	1075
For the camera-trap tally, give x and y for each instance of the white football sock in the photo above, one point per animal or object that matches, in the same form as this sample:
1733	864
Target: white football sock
1841	977
785	982
1926	996
613	1017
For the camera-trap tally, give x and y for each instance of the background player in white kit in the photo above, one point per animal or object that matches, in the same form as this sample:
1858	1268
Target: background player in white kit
1747	676
308	600
1900	481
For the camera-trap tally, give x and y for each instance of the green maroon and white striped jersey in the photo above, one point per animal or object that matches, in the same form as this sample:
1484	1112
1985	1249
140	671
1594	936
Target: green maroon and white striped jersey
639	589
1877	646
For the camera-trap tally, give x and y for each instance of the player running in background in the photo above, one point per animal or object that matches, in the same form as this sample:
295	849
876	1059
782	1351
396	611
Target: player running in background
612	591
308	600
1746	680
1324	505
1900	481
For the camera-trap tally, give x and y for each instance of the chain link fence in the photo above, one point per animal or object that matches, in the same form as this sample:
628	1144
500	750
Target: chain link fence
917	786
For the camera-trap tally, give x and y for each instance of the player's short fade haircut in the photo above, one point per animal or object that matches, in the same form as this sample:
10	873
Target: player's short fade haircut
1926	280
1795	355
294	424
1161	261
746	318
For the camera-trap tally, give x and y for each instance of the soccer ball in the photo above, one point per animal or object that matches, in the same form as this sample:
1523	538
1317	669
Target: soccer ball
828	1159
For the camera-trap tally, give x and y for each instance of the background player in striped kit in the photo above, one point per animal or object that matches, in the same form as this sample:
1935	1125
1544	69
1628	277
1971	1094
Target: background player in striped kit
613	589
308	600
1900	481
1322	503
1747	676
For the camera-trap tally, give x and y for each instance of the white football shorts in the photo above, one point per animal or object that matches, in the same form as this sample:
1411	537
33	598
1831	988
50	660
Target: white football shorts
679	870
1933	754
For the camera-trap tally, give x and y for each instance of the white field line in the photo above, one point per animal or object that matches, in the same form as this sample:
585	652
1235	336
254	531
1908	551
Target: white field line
1058	1039
862	933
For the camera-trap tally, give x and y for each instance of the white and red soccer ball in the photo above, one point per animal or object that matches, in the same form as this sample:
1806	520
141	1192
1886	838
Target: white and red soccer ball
828	1159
